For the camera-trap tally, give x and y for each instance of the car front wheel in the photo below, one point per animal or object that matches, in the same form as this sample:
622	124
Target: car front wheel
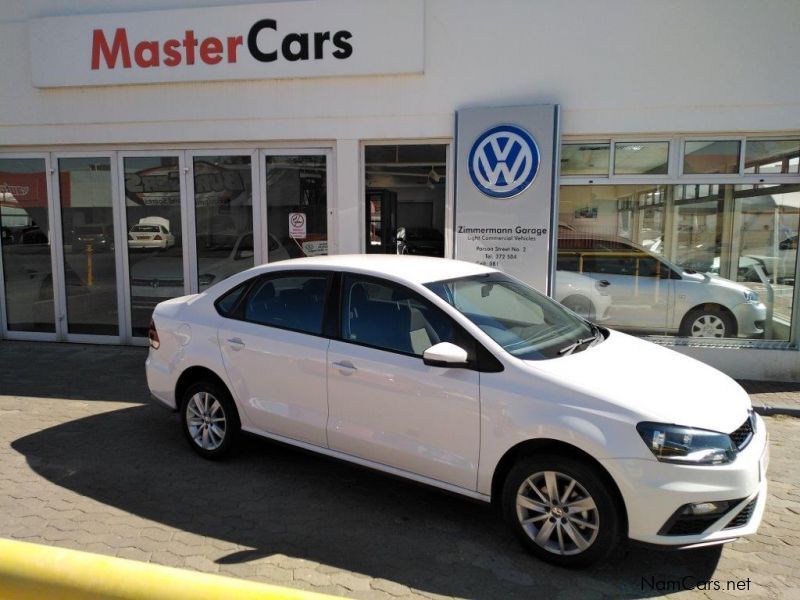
561	510
209	418
708	322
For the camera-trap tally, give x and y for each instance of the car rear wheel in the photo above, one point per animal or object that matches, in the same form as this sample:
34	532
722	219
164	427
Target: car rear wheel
561	510
209	418
708	322
581	306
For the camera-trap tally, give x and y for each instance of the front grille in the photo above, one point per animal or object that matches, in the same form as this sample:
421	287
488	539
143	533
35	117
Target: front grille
744	515
742	436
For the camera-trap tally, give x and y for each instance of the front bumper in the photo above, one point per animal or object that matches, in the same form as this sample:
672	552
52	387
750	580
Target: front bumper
750	318
653	491
143	244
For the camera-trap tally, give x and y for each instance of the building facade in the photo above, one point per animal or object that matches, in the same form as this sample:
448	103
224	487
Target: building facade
150	149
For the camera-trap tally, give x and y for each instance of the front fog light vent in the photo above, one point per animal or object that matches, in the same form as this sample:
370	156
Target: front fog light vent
744	515
705	508
693	519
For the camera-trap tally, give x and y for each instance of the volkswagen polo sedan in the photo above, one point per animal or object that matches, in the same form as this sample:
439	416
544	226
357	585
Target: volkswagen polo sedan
461	377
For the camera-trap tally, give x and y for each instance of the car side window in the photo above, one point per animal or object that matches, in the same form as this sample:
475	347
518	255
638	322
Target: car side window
289	301
227	302
392	317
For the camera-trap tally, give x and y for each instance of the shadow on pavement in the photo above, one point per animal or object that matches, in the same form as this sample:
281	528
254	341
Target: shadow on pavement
73	371
275	499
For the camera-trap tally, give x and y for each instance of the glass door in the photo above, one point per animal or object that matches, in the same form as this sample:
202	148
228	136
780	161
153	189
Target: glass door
221	186
155	254
296	187
88	244
28	269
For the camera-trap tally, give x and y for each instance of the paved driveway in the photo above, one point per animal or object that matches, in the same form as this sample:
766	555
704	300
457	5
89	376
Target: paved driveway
87	462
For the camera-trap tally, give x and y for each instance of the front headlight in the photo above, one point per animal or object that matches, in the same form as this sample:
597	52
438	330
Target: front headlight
686	445
750	296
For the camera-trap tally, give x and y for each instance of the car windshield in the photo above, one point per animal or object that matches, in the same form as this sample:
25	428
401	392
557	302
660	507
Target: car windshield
145	228
524	322
90	229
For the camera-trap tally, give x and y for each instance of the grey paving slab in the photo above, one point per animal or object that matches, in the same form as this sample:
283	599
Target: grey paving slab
87	462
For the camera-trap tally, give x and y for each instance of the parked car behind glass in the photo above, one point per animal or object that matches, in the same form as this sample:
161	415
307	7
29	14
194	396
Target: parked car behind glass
652	295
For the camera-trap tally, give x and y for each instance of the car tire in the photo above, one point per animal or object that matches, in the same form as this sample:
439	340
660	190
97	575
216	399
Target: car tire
580	305
709	321
545	526
209	419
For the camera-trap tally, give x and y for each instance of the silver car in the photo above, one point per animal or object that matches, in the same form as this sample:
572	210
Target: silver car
652	295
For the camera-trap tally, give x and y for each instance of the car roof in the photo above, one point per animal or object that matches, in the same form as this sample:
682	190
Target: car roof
414	269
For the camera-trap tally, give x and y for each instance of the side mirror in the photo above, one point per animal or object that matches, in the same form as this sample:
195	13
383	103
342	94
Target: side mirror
445	354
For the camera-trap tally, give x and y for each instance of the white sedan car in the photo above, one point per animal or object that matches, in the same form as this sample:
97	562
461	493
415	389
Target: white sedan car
143	236
461	377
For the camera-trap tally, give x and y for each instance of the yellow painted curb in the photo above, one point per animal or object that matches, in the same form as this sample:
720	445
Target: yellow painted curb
34	572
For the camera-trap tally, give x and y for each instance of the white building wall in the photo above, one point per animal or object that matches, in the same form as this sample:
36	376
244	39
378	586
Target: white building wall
618	66
615	67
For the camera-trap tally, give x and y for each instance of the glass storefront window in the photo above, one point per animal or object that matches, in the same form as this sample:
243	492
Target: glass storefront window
405	198
772	157
588	158
641	158
87	224
297	206
223	199
700	260
711	157
154	238
25	241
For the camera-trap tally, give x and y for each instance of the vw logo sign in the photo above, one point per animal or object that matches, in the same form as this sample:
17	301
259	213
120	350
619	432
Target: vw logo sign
503	161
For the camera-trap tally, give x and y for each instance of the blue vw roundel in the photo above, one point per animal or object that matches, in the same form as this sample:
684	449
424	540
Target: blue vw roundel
503	161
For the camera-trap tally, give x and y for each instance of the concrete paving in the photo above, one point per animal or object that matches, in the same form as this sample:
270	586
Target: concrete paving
88	462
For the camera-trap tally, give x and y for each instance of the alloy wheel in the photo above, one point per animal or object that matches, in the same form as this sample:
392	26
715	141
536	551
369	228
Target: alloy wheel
206	421
557	513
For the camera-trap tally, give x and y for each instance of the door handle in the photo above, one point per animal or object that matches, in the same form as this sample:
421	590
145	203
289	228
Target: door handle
345	367
236	343
604	283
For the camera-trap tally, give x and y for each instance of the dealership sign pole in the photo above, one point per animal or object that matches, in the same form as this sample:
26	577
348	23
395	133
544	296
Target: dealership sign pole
506	194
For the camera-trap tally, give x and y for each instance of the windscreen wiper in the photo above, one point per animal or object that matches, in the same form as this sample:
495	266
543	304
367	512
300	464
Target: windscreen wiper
597	335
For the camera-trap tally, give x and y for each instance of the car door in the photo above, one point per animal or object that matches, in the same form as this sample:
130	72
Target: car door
275	355
637	282
386	405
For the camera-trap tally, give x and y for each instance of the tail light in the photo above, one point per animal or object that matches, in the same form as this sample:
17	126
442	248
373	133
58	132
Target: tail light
152	335
157	238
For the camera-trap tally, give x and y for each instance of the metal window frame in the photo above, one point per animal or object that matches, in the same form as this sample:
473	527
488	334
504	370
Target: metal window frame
326	150
128	336
676	177
191	201
449	198
116	214
39	336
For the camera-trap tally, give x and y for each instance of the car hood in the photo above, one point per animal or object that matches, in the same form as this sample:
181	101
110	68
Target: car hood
716	280
657	383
